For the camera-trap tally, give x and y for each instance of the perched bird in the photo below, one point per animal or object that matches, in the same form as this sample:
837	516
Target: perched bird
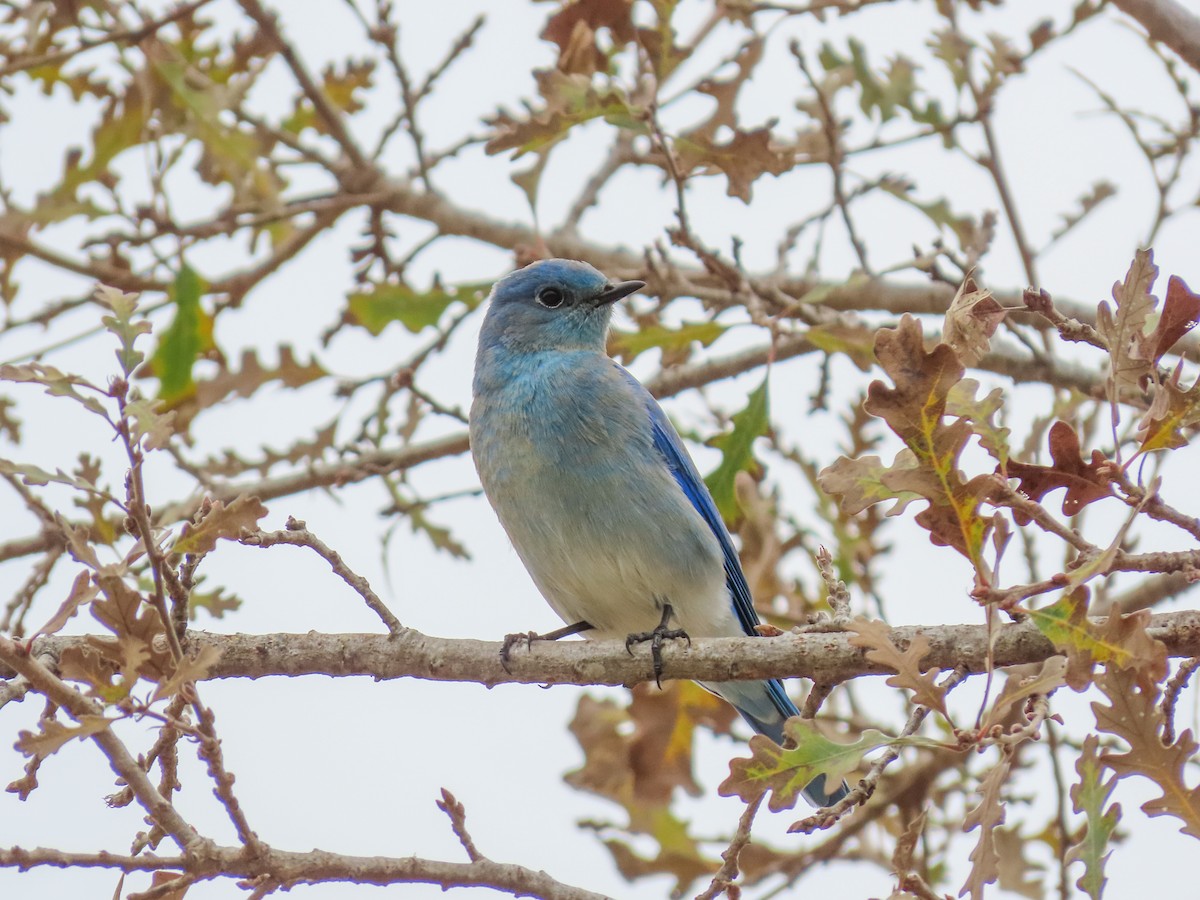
595	488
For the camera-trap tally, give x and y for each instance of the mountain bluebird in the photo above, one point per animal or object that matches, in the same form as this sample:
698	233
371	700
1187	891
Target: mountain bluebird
595	488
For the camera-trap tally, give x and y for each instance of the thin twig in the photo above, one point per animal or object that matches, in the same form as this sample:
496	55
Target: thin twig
298	535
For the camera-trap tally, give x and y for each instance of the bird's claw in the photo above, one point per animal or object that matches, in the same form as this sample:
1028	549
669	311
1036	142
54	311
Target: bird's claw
656	637
510	641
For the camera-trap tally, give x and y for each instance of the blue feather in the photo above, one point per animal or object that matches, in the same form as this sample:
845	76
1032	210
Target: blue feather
741	694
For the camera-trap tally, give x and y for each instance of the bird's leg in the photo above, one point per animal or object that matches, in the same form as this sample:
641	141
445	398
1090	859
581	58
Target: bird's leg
656	637
511	640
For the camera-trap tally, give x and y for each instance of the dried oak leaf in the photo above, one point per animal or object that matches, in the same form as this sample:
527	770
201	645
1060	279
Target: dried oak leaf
915	410
1085	482
679	855
972	319
222	521
1119	640
1017	872
746	157
574	29
987	816
859	483
1123	329
1172	409
638	770
189	669
1050	677
1133	715
641	767
1180	314
54	734
876	638
82	592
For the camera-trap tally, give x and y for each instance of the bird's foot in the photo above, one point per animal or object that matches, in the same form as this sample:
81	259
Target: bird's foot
528	637
656	637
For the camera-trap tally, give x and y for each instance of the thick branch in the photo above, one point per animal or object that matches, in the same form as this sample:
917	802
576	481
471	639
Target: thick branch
1169	23
822	657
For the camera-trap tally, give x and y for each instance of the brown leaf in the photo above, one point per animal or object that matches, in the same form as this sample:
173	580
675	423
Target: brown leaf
1180	314
1119	640
82	591
574	29
1085	482
1173	408
987	817
78	543
222	521
1015	870
54	734
906	845
679	856
1122	329
972	319
745	158
189	669
162	878
243	381
1050	677
1133	715
875	637
660	748
915	409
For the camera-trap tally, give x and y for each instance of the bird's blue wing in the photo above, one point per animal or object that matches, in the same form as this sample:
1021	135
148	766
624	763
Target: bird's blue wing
669	445
741	694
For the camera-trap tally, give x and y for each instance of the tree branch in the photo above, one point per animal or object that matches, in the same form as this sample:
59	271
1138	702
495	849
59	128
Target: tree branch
823	657
1169	23
315	866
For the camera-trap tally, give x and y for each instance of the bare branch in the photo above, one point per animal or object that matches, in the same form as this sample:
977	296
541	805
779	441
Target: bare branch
822	657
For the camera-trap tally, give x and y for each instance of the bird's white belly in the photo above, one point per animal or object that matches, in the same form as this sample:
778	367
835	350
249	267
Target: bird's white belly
614	563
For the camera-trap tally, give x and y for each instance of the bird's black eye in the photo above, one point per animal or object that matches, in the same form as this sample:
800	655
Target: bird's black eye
550	297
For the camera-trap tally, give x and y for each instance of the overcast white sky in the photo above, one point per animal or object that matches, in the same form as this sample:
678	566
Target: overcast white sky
353	766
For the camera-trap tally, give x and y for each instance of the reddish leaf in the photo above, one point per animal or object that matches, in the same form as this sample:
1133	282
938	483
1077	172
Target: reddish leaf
1180	314
1085	482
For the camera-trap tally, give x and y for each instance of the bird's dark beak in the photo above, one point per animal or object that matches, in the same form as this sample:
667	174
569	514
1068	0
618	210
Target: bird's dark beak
614	292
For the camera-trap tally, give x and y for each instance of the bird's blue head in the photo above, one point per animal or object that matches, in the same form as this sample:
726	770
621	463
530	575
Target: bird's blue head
553	304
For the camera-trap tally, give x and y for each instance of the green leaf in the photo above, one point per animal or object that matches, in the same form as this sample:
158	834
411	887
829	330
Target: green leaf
861	483
628	345
374	310
962	403
785	772
188	337
737	452
1089	797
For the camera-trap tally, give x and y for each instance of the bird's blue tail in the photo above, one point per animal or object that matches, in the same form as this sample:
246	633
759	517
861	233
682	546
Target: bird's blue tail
765	706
